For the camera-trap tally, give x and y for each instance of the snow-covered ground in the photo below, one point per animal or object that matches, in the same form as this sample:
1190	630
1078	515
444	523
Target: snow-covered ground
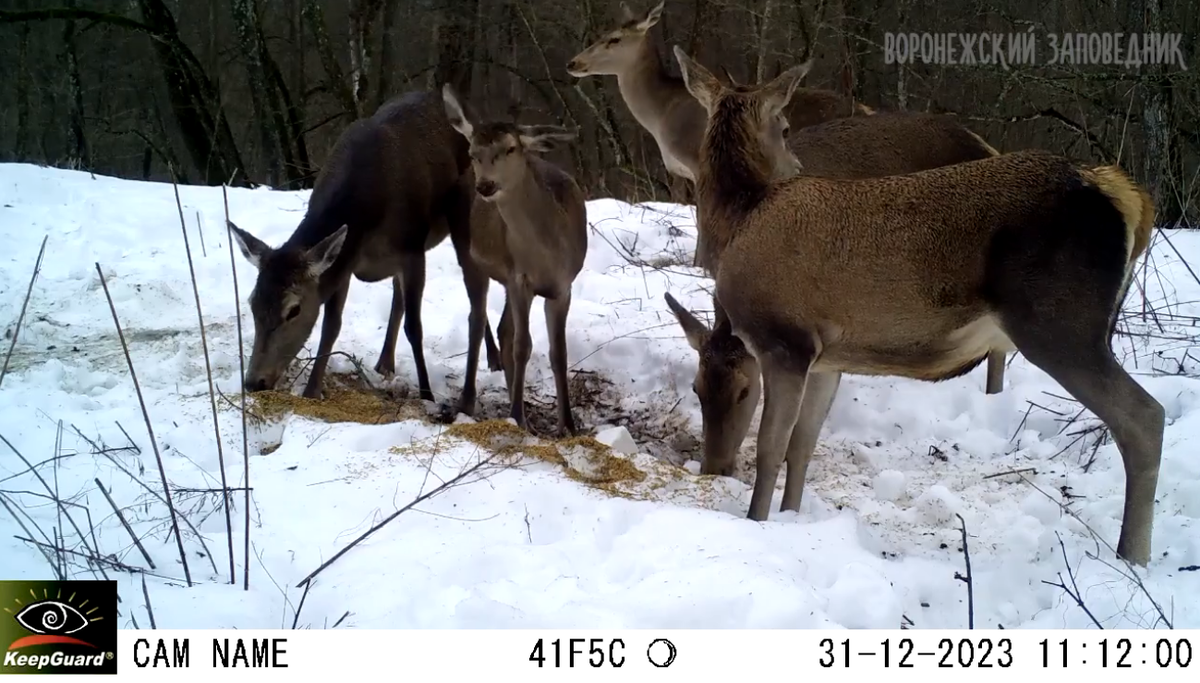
877	544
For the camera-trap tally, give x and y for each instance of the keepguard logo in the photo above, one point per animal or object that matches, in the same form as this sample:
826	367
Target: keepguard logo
58	627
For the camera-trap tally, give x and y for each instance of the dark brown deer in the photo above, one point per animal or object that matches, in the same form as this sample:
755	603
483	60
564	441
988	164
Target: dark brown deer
660	102
529	234
921	276
394	186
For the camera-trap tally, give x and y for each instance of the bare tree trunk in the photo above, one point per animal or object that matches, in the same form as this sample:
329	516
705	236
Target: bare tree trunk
764	42
335	80
78	139
245	24
22	144
1157	121
387	54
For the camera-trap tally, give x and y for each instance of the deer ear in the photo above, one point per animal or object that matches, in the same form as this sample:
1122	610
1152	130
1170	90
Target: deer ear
652	17
779	91
697	333
455	113
546	141
326	252
699	81
251	247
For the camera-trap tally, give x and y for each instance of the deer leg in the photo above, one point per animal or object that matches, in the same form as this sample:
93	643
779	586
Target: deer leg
477	287
504	332
784	381
556	327
414	289
494	362
387	357
331	326
818	398
995	372
520	299
1090	372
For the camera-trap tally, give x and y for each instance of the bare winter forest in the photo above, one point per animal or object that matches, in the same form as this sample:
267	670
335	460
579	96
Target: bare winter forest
256	91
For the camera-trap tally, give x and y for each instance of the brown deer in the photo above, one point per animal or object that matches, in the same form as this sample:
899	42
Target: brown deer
727	383
660	102
530	235
394	186
921	276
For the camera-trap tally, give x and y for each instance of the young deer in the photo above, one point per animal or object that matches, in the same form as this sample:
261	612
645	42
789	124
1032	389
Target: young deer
393	187
660	102
530	235
919	276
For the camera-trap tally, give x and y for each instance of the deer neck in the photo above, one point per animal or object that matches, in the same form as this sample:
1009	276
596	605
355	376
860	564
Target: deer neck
648	90
734	178
524	207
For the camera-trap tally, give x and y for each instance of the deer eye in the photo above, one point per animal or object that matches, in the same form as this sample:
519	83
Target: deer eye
510	150
291	313
742	396
613	41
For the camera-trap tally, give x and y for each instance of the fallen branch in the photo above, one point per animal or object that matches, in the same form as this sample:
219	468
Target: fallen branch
37	267
54	566
117	511
208	371
447	485
149	429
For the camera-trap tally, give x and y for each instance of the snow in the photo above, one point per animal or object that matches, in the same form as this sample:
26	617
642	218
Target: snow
876	545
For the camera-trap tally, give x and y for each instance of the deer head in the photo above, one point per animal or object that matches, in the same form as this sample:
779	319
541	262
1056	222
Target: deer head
285	301
498	149
749	116
727	384
619	48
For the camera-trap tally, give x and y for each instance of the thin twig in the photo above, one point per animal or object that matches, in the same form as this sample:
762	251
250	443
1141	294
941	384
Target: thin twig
37	267
968	578
200	229
58	501
149	607
162	472
136	541
1073	590
450	483
237	303
57	570
212	398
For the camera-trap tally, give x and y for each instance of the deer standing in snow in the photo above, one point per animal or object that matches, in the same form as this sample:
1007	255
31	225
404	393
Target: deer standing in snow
921	275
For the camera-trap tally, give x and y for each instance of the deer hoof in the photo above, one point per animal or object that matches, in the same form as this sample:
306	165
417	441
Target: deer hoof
387	370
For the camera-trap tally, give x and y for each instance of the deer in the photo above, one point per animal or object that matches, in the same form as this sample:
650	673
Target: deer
918	276
726	382
530	235
660	103
394	186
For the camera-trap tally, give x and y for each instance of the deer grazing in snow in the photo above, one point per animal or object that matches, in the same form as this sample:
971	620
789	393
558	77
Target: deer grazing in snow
727	375
660	102
394	186
529	233
921	276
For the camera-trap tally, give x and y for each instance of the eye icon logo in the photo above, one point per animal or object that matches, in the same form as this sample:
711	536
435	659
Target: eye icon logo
51	617
53	620
58	627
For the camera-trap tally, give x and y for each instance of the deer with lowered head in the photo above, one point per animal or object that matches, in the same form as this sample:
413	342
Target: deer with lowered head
529	233
921	276
659	101
727	383
394	186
